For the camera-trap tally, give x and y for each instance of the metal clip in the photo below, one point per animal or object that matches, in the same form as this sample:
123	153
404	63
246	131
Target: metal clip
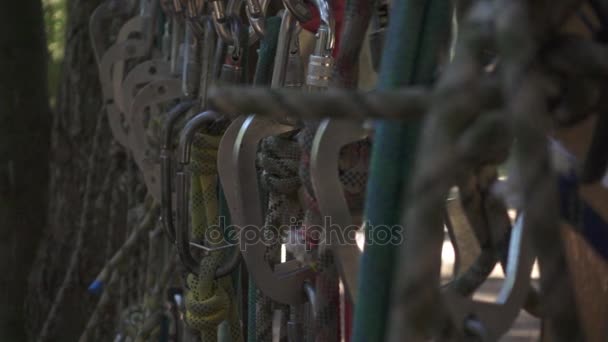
492	320
224	18
220	20
177	113
238	175
232	69
149	99
294	73
286	32
256	14
328	25
166	158
199	122
194	10
321	63
284	283
298	10
145	106
329	139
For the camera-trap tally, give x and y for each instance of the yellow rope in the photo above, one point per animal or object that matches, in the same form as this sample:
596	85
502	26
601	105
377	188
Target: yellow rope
209	302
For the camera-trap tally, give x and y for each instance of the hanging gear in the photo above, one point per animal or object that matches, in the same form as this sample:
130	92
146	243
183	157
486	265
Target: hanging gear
303	170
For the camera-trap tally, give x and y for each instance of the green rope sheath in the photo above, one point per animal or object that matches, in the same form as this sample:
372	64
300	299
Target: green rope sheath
416	34
263	75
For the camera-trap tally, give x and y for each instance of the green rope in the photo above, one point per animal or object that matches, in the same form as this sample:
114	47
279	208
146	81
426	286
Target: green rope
263	75
418	30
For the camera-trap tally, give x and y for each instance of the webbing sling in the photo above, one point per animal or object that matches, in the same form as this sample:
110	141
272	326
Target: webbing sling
415	35
263	76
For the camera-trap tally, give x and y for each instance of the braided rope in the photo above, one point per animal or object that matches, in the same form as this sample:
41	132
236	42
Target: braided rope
260	306
406	104
209	302
278	160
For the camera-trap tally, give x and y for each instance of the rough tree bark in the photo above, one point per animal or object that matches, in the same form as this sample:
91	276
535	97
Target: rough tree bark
91	189
24	126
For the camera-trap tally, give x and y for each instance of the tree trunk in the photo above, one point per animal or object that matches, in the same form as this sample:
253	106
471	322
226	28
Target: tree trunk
24	136
91	188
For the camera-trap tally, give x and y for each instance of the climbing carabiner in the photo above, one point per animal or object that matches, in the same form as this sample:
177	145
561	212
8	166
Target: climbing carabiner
166	158
200	122
321	62
256	14
330	138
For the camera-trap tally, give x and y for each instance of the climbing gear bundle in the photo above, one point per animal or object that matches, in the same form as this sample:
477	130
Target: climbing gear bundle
257	139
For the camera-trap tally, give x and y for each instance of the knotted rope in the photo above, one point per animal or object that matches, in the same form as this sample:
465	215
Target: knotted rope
352	168
278	159
259	306
209	302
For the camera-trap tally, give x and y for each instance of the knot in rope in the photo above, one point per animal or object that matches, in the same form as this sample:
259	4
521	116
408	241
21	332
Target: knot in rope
207	303
208	300
279	159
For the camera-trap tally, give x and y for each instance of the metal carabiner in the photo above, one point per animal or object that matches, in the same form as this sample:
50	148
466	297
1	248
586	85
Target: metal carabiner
327	27
199	122
147	100
238	175
173	117
221	20
329	139
492	320
287	29
256	15
294	73
298	10
181	236
284	283
320	65
166	158
224	18
194	11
